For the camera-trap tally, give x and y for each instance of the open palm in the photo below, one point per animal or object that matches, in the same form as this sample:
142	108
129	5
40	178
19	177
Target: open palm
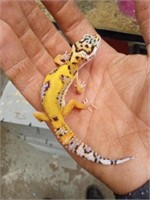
118	85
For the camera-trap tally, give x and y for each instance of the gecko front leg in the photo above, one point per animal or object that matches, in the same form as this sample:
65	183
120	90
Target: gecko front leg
61	59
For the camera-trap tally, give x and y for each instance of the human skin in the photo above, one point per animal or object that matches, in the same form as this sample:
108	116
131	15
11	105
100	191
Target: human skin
118	84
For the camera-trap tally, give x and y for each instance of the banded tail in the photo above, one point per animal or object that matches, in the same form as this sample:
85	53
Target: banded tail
76	146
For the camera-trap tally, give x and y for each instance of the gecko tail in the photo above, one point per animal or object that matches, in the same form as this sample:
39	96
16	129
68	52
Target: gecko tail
83	150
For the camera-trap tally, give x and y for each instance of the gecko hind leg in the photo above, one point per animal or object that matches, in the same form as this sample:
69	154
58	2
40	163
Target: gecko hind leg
73	104
41	116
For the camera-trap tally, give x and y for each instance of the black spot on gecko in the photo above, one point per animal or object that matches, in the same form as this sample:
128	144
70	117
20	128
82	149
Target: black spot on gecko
100	162
71	55
95	160
74	72
95	156
112	162
77	57
62	78
48	85
71	142
69	67
63	60
74	63
76	148
45	87
55	118
87	151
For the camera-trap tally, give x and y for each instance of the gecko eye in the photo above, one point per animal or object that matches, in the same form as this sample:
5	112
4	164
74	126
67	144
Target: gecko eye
87	41
94	42
87	36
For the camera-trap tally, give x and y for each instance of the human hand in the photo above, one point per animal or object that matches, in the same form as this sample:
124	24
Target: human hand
118	85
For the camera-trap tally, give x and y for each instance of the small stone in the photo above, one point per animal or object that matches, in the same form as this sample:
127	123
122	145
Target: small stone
34	194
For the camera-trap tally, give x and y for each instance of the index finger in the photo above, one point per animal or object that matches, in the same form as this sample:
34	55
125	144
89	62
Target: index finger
74	24
71	20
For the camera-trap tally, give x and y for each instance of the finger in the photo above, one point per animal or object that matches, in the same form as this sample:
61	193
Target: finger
70	19
18	67
44	29
75	25
142	13
31	44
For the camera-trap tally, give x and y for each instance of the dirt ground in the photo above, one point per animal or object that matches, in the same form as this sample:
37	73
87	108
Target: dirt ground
29	173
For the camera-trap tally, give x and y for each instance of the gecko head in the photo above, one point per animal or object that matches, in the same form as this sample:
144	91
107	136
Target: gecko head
86	48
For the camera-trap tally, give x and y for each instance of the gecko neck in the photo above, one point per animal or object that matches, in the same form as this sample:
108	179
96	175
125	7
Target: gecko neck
74	63
73	68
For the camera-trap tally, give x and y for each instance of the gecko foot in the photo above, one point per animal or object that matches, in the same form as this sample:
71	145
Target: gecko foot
61	59
66	56
88	103
80	85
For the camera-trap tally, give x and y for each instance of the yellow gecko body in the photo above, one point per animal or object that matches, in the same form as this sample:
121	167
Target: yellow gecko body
54	98
54	89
